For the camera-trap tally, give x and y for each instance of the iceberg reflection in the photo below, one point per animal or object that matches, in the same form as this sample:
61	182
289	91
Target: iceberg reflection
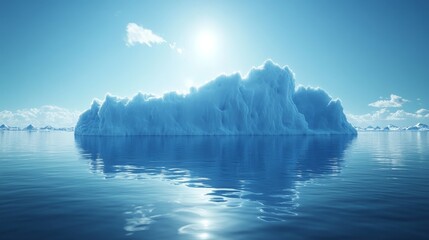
233	170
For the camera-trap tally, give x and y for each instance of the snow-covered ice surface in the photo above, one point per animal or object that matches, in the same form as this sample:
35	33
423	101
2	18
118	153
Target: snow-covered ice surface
265	102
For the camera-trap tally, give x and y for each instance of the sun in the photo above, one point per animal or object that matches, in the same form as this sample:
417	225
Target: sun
206	43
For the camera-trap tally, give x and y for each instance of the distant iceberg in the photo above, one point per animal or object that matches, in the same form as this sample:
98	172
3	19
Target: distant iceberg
421	127
263	103
30	128
418	127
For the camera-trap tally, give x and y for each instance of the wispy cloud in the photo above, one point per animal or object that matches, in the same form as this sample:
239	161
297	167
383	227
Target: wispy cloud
139	35
395	101
40	117
423	112
385	115
175	48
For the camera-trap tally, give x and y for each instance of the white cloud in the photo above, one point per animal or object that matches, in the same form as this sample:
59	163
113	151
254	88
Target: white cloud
40	117
138	35
368	118
385	116
394	101
174	47
423	112
400	115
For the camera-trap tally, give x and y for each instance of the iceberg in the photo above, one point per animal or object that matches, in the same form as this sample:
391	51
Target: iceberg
418	127
322	113
30	127
265	102
47	128
392	127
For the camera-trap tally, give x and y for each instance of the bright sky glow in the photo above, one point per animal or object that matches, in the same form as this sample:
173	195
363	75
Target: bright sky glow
206	43
377	65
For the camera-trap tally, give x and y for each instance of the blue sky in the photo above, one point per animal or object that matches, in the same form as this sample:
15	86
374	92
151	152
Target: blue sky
65	53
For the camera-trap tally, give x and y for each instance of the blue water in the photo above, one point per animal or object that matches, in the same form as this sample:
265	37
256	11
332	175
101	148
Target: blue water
56	186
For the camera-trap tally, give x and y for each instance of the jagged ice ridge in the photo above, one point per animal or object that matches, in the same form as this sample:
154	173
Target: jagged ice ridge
265	102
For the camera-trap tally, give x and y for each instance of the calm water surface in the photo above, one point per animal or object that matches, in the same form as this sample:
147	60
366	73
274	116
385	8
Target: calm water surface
56	186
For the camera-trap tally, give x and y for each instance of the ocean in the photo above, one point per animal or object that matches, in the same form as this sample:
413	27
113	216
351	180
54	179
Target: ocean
54	185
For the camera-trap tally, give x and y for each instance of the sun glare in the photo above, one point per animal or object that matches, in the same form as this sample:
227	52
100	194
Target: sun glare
206	43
